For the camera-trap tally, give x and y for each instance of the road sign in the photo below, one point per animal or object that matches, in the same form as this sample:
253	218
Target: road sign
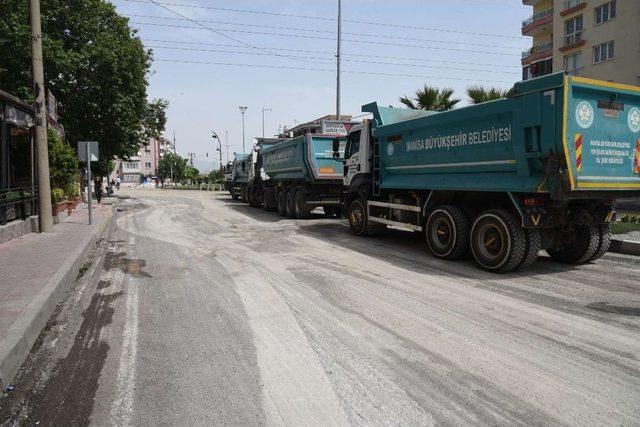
90	147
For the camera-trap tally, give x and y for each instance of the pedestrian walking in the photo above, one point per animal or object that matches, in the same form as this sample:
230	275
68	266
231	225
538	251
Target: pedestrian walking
97	184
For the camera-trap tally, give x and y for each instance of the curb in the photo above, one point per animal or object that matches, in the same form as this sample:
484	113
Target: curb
24	332
625	247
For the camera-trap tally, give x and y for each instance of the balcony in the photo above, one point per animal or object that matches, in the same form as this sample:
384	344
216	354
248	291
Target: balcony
537	52
538	23
572	6
575	71
572	41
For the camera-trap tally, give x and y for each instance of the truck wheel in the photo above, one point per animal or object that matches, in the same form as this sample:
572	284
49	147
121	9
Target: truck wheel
289	204
534	246
498	241
266	202
280	203
358	218
604	241
249	195
300	205
329	210
578	246
447	232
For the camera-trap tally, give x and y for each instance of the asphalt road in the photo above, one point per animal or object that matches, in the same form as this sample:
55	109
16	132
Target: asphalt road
201	310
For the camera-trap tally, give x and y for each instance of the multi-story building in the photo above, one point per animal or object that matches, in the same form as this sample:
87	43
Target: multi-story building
145	165
590	38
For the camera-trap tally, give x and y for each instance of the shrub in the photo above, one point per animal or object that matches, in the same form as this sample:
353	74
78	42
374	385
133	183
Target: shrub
57	195
63	165
625	218
72	190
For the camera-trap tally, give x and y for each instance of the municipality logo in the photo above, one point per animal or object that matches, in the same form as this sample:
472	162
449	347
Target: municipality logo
584	115
390	149
634	120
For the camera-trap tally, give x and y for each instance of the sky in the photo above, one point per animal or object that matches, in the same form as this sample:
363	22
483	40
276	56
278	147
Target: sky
212	56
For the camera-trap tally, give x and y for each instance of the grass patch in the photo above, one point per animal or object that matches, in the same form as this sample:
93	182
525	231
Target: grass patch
624	227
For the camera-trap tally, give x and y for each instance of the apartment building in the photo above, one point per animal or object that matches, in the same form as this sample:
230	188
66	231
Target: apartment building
145	164
591	38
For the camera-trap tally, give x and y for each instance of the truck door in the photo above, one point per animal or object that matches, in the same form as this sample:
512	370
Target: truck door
352	156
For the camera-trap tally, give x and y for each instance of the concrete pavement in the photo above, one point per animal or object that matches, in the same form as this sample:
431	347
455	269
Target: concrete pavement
36	271
207	311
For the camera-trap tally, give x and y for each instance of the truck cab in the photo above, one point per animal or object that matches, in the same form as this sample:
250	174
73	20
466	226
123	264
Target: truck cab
358	151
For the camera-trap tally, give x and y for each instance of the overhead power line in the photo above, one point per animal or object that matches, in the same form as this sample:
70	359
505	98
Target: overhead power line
362	55
379	43
325	18
315	30
284	67
212	29
361	61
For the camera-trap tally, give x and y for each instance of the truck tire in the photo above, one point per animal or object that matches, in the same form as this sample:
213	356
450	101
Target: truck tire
300	205
604	234
498	241
266	202
359	222
579	246
289	204
249	195
534	246
447	231
280	203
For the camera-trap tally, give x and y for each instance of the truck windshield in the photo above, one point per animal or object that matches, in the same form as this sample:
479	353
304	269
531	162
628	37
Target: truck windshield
353	144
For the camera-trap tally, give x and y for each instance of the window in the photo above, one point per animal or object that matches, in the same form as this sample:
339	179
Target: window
537	69
353	144
147	165
606	12
603	52
573	64
573	30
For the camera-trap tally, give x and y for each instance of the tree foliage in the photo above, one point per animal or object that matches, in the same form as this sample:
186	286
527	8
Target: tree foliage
63	164
172	162
478	94
216	176
431	98
96	66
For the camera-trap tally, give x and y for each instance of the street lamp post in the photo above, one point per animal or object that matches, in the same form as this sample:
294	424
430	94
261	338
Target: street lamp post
243	110
214	135
263	111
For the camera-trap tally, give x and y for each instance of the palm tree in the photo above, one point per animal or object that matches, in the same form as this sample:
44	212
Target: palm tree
431	98
478	94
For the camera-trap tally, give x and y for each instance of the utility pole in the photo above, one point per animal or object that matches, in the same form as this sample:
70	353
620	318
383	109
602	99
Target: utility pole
226	143
42	151
263	111
338	55
243	110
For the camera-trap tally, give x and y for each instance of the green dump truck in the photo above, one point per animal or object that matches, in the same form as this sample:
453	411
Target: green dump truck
240	168
297	175
504	179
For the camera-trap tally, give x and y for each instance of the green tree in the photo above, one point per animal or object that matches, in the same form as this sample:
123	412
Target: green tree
191	173
216	176
171	162
155	118
94	63
63	164
478	94
431	98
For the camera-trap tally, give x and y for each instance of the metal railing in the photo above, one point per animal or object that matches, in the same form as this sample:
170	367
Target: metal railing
568	4
537	16
536	49
575	71
570	39
17	203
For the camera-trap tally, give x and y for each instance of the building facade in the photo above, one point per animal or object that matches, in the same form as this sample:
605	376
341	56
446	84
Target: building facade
599	39
144	165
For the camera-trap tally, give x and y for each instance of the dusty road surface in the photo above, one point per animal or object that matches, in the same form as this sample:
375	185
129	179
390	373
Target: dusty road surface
201	310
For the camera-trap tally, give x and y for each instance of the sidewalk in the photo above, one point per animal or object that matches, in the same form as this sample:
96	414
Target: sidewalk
35	272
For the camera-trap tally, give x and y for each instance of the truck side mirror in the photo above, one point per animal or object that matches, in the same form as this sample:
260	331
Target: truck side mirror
336	149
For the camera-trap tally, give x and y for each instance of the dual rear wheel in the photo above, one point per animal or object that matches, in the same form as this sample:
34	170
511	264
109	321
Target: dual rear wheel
496	239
